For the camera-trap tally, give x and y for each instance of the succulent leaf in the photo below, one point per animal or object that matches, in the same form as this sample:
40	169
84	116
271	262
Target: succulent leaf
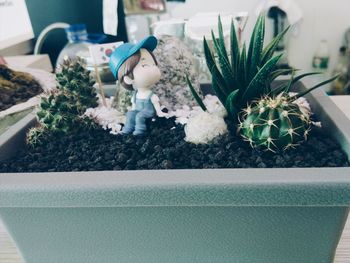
222	40
224	63
256	87
235	52
231	102
301	94
216	74
256	47
195	95
270	49
242	68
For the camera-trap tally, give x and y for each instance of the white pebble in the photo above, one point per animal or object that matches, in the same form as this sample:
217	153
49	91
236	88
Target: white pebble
204	127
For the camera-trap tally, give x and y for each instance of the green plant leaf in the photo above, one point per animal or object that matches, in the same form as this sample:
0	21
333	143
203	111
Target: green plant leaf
195	94
230	103
222	97
301	94
290	83
235	55
287	86
216	74
224	64
296	79
241	75
274	75
270	49
222	40
254	89
280	72
256	47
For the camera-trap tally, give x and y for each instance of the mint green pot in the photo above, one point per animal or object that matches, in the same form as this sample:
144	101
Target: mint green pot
180	216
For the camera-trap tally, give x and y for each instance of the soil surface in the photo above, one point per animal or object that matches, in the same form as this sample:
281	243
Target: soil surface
164	148
16	87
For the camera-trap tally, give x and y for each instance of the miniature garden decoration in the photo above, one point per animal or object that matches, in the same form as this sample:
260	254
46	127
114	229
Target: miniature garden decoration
136	69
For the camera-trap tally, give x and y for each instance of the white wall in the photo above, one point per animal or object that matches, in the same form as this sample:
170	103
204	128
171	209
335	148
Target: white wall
322	19
326	19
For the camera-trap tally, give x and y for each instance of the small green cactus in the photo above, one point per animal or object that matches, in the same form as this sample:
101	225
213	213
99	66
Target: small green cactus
36	136
275	123
62	111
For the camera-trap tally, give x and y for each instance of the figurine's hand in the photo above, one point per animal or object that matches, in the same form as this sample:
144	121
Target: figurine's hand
163	115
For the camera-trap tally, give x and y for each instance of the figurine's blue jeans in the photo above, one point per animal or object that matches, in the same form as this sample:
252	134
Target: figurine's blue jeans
136	121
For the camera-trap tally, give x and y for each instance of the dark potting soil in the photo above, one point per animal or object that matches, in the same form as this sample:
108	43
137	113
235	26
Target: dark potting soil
16	87
164	148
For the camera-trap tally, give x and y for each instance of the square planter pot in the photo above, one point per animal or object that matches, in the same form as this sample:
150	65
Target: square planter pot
188	216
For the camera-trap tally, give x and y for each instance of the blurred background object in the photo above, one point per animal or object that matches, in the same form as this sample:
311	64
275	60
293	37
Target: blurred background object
78	43
90	13
137	7
282	13
200	25
342	85
14	38
320	60
318	22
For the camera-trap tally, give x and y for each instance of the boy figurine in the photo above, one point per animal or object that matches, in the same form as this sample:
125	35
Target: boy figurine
135	66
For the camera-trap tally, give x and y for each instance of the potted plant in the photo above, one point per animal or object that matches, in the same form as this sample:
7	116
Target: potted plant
185	215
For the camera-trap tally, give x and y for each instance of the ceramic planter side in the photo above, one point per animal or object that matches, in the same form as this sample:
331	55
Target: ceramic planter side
14	136
226	215
176	234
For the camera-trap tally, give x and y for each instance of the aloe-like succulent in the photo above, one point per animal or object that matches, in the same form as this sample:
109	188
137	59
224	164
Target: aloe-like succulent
243	74
247	73
62	111
278	122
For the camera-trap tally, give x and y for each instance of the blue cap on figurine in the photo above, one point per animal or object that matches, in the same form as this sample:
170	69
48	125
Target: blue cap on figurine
123	52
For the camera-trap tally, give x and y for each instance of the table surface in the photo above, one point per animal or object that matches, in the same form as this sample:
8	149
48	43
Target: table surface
30	61
9	253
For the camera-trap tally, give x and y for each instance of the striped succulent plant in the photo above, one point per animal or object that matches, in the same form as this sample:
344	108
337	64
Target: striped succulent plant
247	73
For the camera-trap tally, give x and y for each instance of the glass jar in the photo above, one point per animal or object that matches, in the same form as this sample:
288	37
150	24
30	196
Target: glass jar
77	46
340	85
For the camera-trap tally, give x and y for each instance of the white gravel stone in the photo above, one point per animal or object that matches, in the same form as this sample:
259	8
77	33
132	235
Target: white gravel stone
212	103
175	61
204	127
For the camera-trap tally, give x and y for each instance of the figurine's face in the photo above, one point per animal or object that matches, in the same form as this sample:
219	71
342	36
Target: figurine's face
146	73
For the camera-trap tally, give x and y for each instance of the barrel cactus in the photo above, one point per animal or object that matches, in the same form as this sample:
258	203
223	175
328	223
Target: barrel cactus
278	122
275	123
